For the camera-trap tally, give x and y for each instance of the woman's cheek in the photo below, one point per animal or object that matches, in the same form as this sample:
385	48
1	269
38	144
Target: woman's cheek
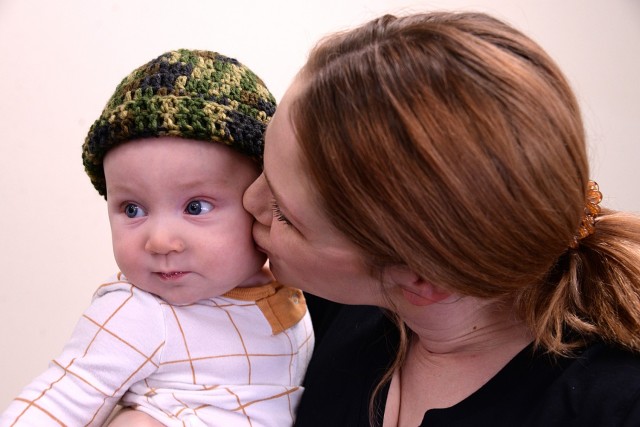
283	240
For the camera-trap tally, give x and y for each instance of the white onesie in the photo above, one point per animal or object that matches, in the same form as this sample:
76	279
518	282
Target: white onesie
233	360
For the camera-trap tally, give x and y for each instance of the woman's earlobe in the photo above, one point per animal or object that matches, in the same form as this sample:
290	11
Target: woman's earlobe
415	289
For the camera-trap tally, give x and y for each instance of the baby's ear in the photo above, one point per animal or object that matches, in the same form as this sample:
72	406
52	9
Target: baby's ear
415	289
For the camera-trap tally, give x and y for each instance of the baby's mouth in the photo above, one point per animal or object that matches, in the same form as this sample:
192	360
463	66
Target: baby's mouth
172	274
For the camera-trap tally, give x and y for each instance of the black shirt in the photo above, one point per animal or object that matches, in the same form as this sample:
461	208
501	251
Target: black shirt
355	345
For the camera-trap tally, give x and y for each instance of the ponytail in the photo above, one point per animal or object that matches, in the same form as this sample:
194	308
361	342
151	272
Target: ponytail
593	291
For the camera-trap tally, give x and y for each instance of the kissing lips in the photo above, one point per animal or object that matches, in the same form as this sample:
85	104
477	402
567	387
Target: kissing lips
258	232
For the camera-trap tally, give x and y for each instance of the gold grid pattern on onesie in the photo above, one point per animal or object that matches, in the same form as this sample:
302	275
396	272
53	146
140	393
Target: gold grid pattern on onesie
238	363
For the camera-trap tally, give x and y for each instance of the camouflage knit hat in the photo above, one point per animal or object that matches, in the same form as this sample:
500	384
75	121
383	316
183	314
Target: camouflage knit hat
191	94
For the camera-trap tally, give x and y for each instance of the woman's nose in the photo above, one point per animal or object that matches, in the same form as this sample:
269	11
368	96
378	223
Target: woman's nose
163	239
256	201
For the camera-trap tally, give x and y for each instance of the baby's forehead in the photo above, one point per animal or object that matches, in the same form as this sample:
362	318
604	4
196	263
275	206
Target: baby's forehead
174	145
178	163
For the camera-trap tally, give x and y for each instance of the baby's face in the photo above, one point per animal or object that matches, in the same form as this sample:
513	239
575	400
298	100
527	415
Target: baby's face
178	226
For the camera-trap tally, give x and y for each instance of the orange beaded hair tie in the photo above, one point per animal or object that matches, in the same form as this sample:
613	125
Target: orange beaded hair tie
591	211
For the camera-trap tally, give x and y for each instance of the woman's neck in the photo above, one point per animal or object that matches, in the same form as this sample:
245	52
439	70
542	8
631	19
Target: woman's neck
456	347
465	326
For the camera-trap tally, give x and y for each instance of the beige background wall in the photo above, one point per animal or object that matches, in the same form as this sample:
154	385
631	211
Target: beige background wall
60	61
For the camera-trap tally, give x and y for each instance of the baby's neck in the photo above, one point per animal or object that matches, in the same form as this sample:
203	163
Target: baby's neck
261	277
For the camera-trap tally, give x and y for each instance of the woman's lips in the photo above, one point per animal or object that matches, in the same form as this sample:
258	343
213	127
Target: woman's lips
258	233
257	245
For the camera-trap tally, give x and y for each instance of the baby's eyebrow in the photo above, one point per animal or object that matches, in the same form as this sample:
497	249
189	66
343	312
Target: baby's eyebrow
120	188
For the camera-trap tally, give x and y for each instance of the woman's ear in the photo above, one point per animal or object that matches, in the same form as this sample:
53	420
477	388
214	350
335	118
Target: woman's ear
415	289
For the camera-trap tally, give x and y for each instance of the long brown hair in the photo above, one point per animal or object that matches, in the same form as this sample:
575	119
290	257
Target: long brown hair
452	143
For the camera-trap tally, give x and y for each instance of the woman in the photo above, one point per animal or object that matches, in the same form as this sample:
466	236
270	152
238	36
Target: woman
435	166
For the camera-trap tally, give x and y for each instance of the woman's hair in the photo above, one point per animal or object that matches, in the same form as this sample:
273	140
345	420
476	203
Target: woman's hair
451	143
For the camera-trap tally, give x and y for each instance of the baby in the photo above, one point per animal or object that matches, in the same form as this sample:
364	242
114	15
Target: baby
193	330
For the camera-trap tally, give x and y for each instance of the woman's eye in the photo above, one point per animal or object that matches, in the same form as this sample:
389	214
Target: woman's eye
134	211
277	213
197	207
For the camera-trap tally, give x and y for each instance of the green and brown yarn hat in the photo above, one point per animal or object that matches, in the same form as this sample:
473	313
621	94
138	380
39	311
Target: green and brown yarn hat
192	94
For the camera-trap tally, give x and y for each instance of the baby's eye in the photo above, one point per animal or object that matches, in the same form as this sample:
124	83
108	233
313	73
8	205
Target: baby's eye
197	207
134	211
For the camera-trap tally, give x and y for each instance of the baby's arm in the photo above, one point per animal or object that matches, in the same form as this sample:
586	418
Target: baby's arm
116	342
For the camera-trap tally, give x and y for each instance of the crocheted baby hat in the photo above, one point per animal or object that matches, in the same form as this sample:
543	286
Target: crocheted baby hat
192	94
